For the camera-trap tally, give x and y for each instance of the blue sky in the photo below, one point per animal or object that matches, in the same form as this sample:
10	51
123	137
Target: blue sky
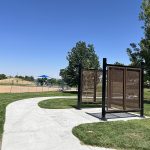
35	35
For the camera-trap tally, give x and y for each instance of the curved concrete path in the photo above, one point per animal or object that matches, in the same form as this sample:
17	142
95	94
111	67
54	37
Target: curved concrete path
29	127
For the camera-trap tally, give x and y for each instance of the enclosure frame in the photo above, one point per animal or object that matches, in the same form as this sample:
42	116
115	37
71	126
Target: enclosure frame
104	82
80	88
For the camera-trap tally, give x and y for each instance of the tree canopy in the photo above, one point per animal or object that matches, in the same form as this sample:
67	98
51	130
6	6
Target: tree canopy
3	76
27	78
118	63
141	51
81	53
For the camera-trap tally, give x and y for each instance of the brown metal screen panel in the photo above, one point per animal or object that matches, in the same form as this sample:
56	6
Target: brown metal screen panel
98	86
91	85
115	88
123	88
132	89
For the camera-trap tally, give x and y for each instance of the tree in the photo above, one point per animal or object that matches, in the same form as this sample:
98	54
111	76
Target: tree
60	82
27	78
52	81
3	76
118	63
81	53
65	75
141	51
42	81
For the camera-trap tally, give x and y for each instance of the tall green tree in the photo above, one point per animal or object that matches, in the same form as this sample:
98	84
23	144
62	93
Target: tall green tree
52	81
81	53
141	51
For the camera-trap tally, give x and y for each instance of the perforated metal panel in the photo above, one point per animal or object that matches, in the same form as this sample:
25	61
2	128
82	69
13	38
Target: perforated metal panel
91	85
132	89
115	84
123	88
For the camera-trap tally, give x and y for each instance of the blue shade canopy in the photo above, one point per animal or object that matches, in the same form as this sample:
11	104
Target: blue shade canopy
43	76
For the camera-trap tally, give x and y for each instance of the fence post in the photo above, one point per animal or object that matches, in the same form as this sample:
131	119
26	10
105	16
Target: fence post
104	89
79	87
142	90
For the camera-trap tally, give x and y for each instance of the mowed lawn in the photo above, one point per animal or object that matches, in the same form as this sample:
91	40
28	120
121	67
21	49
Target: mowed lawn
129	135
6	99
63	103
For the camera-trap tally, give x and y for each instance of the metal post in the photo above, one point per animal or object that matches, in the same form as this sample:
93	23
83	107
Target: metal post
79	87
142	90
124	88
104	89
95	84
109	72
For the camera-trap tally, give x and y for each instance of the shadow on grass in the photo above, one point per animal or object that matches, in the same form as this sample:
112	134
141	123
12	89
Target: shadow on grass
86	106
146	101
70	92
91	106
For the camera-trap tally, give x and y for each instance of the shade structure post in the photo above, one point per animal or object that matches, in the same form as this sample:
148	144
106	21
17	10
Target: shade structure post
79	86
104	89
142	90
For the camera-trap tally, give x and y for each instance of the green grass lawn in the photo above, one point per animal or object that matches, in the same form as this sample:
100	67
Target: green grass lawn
63	104
129	135
6	99
147	102
58	103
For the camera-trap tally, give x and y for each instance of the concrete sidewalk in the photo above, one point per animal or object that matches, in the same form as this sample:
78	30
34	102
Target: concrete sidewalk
29	127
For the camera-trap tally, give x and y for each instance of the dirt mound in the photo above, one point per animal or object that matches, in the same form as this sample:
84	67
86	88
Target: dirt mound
15	81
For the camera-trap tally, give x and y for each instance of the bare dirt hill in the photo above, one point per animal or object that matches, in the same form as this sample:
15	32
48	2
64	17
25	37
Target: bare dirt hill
15	81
